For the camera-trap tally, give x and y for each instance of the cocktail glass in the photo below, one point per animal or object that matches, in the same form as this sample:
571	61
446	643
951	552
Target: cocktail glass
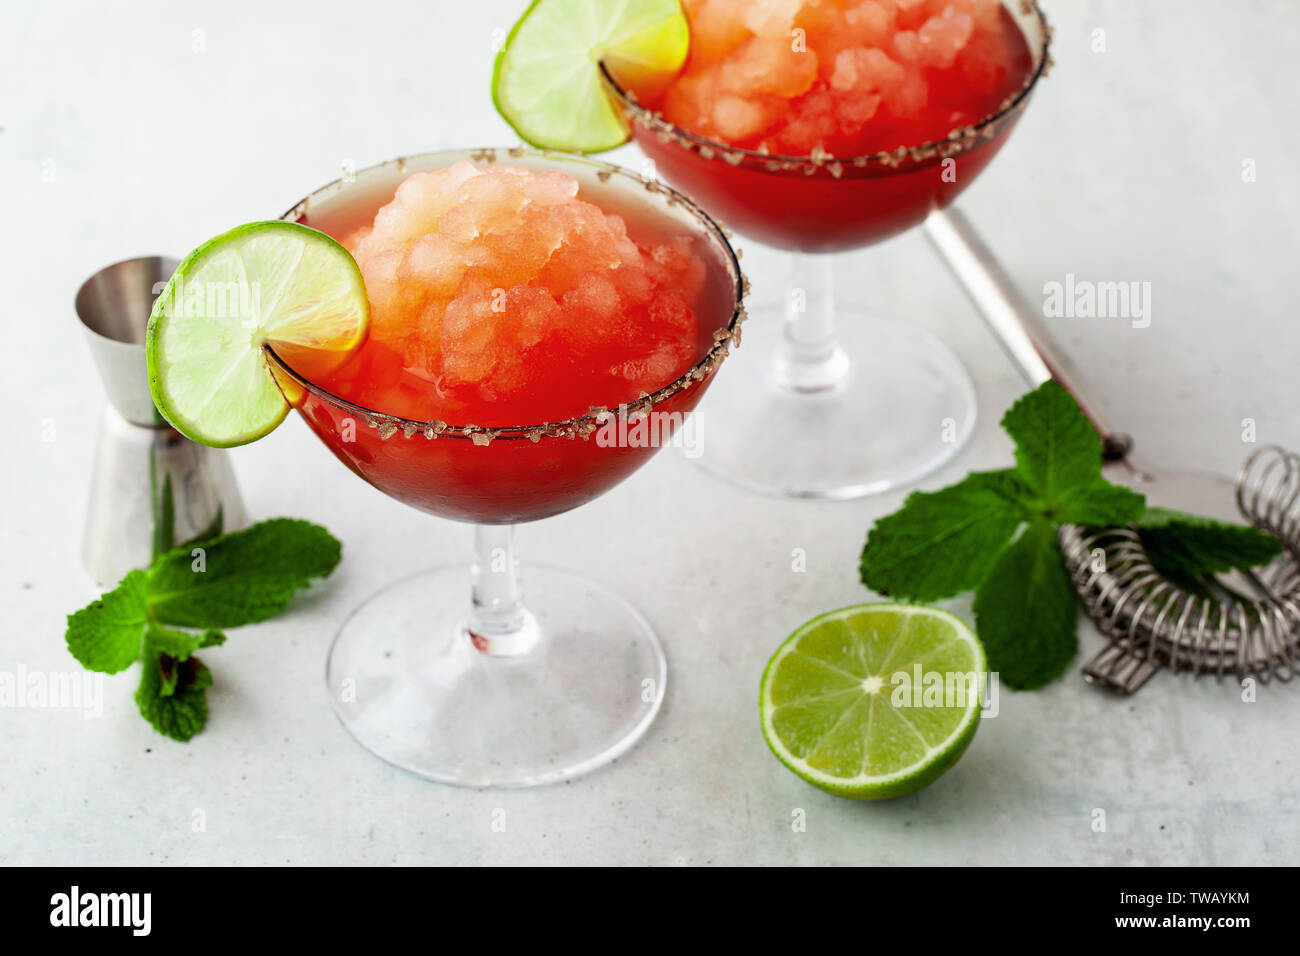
832	403
452	673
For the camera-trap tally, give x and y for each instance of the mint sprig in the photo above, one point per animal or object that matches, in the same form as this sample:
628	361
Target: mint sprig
967	537
964	538
219	582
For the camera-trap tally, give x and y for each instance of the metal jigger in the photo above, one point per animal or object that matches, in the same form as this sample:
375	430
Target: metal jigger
151	488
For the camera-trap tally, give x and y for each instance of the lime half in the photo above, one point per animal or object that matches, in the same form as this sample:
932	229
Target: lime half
265	282
873	701
547	82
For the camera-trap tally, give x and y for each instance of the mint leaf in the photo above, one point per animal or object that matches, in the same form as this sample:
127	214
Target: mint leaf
1182	545
1025	611
1057	449
242	577
105	634
1100	504
172	694
173	647
941	543
180	644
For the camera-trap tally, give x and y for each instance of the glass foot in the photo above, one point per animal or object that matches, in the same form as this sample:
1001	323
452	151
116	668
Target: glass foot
901	406
412	686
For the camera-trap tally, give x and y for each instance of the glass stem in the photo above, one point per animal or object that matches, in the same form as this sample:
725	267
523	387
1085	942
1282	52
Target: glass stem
499	624
810	359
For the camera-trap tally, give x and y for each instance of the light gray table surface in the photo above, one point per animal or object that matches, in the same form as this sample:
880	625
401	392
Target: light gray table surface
144	128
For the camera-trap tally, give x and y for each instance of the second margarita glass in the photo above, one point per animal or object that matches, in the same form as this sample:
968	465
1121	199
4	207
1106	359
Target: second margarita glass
456	673
827	402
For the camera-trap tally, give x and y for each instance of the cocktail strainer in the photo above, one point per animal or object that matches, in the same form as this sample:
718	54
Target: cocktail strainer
1248	625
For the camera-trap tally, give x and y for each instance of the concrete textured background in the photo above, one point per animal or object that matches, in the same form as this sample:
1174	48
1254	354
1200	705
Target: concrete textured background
1128	165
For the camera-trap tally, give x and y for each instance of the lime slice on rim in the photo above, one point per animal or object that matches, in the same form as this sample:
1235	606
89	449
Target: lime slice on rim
836	711
547	82
276	282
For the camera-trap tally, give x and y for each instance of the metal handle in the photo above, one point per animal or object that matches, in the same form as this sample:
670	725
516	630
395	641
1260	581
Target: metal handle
1118	668
1010	318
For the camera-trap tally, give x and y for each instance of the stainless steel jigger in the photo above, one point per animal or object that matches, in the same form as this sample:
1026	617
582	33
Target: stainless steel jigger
151	487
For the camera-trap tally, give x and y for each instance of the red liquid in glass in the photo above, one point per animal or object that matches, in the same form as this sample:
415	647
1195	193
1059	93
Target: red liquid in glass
511	478
840	205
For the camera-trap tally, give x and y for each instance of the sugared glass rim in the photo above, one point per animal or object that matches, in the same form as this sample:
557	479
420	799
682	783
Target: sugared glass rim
958	140
580	426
